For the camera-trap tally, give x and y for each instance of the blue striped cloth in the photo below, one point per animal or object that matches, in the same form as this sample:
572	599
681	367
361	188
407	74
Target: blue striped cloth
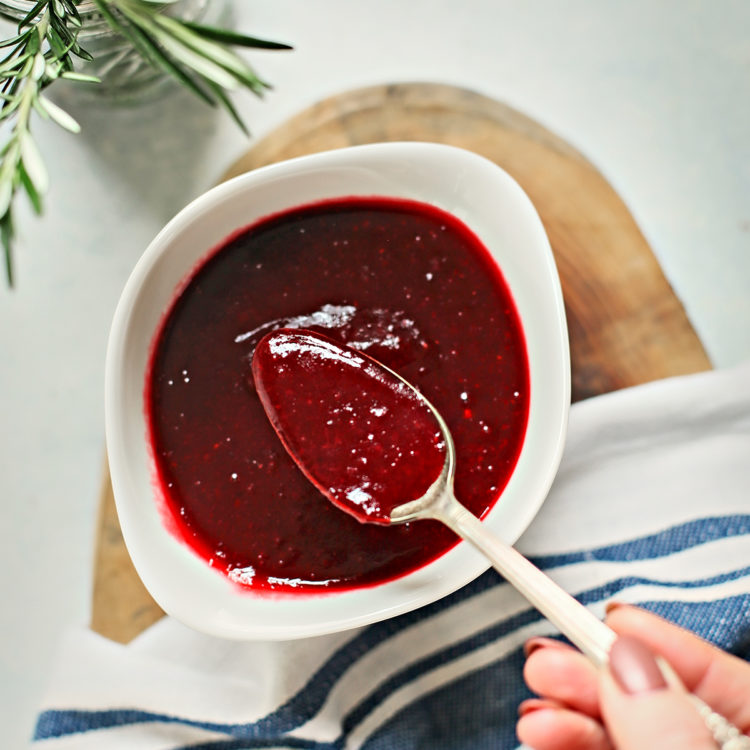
651	506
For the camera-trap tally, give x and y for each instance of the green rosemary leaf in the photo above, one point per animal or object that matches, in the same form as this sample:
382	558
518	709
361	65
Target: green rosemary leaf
57	44
28	65
15	54
201	65
205	67
156	57
61	31
18	73
38	67
39	109
11	155
10	65
18	51
33	194
229	106
34	44
14	40
208	49
124	29
61	48
151	52
6	237
33	162
6	194
226	58
12	82
59	115
181	74
82	53
226	36
30	17
12	103
73	17
72	75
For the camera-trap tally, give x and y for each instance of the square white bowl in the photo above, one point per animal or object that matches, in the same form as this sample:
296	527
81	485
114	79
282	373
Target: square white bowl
466	185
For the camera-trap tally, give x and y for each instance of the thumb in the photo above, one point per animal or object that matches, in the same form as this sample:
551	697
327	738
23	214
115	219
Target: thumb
640	710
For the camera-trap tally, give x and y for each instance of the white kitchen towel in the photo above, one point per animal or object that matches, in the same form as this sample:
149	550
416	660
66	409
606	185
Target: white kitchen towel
651	506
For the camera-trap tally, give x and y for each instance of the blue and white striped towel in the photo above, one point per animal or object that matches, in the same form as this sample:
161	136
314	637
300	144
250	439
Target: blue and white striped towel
651	506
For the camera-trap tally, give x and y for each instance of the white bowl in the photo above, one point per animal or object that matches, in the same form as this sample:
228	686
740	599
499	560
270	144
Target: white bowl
468	186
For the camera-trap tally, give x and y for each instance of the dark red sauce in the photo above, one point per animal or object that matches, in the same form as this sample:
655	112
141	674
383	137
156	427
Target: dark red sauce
404	282
361	435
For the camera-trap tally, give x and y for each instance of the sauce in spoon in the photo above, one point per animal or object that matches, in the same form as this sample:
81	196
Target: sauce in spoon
360	434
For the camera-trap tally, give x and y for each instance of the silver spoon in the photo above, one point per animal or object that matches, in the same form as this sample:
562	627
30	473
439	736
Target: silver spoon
304	378
575	621
586	631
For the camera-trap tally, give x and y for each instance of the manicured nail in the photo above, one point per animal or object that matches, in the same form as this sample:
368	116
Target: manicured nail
534	704
537	642
634	667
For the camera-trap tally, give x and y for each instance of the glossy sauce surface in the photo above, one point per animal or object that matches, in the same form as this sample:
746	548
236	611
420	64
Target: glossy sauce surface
406	283
361	435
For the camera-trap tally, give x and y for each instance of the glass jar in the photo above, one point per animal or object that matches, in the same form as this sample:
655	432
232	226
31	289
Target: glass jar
125	76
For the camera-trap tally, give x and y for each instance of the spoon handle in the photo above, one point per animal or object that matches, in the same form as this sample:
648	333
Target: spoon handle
583	628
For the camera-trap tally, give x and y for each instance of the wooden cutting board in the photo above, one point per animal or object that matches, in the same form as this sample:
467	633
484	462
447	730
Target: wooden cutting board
625	323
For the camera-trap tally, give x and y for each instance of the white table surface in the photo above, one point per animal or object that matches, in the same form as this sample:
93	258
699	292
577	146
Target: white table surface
655	94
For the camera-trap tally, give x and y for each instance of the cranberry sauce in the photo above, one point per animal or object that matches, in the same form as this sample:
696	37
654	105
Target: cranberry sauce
405	283
360	434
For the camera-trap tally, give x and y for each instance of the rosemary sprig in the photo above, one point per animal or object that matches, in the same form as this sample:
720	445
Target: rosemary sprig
199	57
40	53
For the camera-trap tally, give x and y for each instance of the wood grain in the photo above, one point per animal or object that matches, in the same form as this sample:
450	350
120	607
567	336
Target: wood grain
626	325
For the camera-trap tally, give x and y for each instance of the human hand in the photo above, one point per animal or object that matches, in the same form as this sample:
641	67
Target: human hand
629	706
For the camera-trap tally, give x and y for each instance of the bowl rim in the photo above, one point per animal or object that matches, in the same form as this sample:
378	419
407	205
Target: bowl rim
222	620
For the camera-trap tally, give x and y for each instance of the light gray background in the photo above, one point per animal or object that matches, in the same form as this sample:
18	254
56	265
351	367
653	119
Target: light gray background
655	94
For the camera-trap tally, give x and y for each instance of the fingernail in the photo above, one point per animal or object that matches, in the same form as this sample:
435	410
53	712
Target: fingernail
533	704
634	667
612	606
537	642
